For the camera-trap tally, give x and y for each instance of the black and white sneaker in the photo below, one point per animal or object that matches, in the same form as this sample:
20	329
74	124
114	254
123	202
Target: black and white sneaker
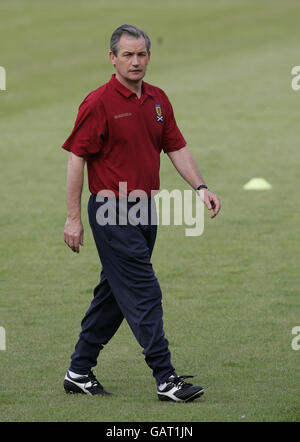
86	384
175	389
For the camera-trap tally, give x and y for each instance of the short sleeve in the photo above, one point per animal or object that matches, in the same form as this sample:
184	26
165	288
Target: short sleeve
172	137
87	136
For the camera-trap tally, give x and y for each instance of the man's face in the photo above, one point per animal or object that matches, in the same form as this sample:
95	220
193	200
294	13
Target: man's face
132	58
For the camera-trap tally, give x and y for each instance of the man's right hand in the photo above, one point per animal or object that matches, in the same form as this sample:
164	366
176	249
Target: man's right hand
73	234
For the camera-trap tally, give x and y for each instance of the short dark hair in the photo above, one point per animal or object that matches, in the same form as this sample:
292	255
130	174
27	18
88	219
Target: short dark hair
129	30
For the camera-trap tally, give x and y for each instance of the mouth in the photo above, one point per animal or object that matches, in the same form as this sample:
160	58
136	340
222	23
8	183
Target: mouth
135	70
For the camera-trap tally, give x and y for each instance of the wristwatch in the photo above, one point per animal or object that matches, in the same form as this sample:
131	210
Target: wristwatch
202	186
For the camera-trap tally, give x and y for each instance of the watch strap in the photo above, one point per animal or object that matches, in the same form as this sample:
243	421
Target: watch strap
202	186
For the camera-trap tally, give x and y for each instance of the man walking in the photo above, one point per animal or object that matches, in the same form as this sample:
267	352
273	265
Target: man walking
120	130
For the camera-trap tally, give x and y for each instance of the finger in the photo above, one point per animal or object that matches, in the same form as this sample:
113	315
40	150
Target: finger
217	207
76	240
215	212
208	204
81	239
70	242
67	239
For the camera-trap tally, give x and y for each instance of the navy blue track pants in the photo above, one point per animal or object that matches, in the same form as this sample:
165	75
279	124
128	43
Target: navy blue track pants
128	288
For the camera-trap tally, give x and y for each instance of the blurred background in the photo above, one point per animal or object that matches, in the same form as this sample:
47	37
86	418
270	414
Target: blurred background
231	296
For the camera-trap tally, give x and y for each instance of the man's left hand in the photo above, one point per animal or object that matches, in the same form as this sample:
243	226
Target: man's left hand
211	201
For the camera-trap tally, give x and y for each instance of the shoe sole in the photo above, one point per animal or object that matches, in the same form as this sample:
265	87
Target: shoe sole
163	397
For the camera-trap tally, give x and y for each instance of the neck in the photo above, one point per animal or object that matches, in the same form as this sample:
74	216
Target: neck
134	86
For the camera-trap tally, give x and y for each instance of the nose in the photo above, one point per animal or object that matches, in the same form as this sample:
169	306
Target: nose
135	61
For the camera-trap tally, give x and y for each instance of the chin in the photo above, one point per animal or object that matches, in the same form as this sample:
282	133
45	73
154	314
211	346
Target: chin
136	77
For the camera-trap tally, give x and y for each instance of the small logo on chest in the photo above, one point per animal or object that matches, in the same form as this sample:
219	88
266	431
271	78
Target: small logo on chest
159	115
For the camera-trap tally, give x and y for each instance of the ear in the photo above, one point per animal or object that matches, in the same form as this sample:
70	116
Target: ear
112	58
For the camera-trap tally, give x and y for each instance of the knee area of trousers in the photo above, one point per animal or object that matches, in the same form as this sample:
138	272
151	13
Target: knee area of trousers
150	309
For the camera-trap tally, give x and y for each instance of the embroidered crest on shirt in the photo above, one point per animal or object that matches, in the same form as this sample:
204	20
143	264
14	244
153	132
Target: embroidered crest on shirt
159	115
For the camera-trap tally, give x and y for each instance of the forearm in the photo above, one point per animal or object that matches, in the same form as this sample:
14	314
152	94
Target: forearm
74	186
185	164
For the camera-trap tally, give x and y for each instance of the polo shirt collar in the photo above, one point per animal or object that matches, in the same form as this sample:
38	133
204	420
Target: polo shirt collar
127	92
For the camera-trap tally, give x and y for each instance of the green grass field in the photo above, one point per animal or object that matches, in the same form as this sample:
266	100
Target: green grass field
231	296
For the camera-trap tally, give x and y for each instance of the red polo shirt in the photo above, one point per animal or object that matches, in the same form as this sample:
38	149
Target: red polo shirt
121	136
